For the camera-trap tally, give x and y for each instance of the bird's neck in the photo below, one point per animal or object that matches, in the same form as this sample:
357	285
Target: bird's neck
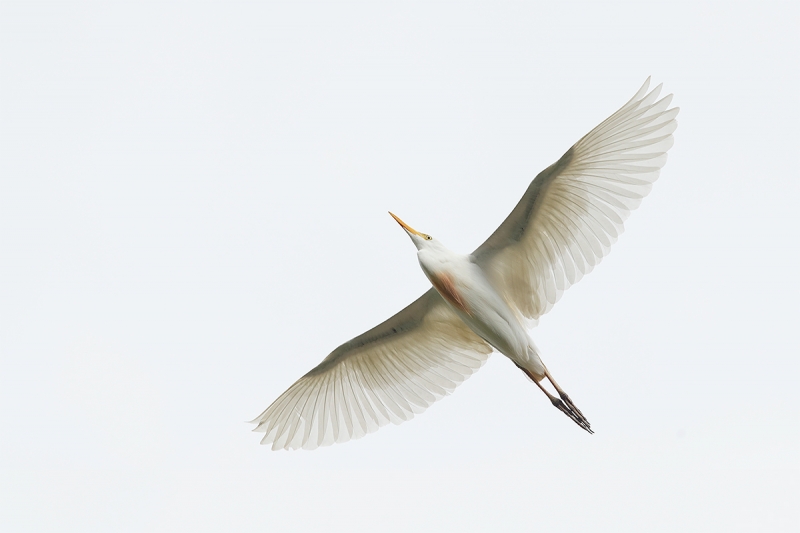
436	258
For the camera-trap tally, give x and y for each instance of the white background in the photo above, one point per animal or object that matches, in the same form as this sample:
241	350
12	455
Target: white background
193	206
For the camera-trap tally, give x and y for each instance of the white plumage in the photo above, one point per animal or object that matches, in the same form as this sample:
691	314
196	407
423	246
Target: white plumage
562	227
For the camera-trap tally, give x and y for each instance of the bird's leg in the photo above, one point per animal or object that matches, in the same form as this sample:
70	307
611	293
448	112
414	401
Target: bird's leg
563	406
566	408
563	394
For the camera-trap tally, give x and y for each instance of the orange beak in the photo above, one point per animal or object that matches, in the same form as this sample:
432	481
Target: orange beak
406	226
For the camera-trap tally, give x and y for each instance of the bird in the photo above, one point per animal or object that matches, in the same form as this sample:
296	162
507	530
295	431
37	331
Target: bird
486	301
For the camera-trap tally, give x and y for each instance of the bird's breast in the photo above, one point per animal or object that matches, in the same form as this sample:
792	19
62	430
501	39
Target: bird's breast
467	291
444	283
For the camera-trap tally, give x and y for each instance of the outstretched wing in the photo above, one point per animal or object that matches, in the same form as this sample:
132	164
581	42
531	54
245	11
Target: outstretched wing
574	210
388	374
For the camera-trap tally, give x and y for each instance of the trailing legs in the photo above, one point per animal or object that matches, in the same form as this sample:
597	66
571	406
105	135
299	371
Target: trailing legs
563	403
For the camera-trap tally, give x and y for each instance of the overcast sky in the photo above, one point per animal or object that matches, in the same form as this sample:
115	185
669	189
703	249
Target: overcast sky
193	213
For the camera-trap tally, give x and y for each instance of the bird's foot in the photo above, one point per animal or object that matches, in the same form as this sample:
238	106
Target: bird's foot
571	405
568	408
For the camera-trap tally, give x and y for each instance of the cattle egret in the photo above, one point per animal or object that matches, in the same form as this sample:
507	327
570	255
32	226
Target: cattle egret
562	227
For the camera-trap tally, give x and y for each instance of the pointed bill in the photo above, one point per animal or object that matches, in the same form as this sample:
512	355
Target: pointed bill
407	227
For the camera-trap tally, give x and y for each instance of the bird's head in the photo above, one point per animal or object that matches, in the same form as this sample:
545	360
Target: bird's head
420	240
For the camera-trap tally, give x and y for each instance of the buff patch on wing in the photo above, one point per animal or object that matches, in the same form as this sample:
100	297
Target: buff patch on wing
447	289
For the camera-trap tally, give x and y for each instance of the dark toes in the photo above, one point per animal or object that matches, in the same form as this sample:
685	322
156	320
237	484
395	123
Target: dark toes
572	412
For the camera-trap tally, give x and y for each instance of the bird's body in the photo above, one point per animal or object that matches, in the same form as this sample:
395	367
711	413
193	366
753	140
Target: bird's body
565	223
463	285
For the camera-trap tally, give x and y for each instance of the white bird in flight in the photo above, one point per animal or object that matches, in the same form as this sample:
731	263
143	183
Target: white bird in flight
562	227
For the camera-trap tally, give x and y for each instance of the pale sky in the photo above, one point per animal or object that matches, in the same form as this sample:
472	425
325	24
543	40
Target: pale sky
193	213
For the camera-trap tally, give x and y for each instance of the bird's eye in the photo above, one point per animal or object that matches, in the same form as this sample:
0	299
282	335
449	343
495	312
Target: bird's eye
428	237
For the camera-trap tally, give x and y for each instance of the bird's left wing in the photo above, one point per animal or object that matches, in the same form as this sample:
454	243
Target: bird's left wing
388	374
574	210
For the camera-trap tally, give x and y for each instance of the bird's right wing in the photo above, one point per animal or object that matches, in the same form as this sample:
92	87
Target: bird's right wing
388	374
574	210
